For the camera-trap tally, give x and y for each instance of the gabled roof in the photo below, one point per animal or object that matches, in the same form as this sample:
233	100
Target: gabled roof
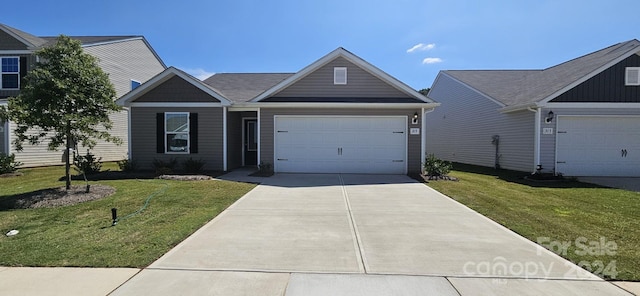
341	52
165	75
242	87
34	42
517	89
29	40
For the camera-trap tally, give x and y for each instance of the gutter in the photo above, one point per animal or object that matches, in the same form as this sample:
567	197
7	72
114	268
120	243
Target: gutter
536	140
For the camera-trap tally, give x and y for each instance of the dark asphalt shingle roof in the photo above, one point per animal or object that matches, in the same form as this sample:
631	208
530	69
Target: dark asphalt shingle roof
242	87
526	87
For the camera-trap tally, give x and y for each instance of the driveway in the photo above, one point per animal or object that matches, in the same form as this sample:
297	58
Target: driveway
329	234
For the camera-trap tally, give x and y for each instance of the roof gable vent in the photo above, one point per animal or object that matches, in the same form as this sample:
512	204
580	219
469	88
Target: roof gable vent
340	75
632	76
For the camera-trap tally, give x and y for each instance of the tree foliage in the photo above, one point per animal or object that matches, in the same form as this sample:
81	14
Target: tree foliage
66	93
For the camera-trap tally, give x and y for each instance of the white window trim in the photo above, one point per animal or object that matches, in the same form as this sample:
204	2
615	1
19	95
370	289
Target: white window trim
336	70
626	76
187	133
18	73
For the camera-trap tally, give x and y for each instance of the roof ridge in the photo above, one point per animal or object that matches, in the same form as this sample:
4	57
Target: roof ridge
609	48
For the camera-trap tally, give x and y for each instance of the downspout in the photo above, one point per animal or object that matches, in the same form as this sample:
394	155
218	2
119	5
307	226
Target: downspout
536	139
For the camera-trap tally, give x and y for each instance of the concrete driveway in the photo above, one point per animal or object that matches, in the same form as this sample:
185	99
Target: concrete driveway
329	234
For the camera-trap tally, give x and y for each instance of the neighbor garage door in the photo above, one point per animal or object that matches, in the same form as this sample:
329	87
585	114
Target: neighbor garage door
340	144
598	146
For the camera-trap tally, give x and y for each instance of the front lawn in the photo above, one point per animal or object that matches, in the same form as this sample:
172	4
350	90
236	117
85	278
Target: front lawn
81	235
590	220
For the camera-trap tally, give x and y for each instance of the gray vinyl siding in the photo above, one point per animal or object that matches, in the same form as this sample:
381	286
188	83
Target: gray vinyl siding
176	89
234	140
7	42
123	61
548	142
360	84
126	60
267	120
210	137
461	129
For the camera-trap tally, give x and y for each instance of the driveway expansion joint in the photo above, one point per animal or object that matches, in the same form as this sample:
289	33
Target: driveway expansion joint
354	228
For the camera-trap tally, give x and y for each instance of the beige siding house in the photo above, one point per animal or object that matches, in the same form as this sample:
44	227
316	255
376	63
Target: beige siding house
128	60
340	114
578	118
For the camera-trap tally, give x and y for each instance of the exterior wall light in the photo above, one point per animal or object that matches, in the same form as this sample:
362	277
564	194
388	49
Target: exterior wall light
414	120
549	117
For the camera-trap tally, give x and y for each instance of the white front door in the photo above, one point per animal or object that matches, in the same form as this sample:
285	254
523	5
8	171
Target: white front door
341	144
598	146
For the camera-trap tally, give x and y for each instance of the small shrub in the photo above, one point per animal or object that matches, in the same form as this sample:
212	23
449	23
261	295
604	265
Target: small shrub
8	163
162	167
265	168
434	166
87	164
192	166
128	165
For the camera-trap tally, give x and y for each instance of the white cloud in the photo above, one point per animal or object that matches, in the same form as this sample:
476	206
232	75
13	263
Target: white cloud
432	61
199	73
421	47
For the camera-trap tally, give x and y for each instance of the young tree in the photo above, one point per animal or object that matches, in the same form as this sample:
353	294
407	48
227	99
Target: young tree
66	98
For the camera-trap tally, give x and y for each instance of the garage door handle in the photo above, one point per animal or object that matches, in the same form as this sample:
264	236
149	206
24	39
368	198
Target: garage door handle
624	152
397	160
283	131
398	132
561	162
283	159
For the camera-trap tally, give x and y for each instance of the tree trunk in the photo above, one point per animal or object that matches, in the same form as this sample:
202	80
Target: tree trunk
67	165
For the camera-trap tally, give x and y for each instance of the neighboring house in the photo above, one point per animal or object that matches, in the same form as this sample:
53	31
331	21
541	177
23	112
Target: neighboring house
129	61
579	118
338	115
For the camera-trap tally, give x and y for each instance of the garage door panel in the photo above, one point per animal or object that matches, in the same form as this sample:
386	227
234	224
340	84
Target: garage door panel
593	146
335	144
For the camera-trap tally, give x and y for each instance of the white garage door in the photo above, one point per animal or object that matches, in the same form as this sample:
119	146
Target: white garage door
598	146
338	144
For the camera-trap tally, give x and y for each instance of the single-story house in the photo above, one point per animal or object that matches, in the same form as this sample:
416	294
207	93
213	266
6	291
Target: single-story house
340	114
129	61
578	118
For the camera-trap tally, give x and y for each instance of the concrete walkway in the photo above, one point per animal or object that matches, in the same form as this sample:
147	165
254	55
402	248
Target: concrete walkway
358	235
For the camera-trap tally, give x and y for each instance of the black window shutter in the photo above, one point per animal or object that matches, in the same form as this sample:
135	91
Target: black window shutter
23	69
159	132
193	132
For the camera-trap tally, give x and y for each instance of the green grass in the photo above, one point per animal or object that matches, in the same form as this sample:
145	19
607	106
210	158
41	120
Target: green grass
81	235
562	211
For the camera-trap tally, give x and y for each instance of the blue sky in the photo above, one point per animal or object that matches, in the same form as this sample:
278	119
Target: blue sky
284	36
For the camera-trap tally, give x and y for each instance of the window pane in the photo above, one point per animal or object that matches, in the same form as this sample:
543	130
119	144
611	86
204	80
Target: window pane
177	123
10	65
9	80
177	142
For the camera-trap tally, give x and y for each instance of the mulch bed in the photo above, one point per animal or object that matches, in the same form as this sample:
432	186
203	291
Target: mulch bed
423	178
56	197
185	177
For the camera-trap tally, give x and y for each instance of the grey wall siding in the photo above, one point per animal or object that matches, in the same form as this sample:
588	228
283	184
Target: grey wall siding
124	61
7	42
607	86
234	140
548	142
210	141
267	121
360	84
176	89
461	129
